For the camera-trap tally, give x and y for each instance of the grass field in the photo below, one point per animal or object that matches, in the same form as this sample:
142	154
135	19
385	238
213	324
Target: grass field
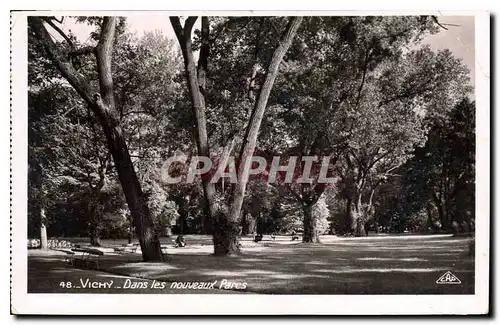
370	265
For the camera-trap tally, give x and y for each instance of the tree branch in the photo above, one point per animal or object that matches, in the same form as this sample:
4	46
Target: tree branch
48	20
188	26
365	68
59	21
253	75
437	22
82	51
179	31
78	81
104	51
391	169
204	53
380	158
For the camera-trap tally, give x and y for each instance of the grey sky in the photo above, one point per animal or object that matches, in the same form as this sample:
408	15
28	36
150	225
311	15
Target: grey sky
459	39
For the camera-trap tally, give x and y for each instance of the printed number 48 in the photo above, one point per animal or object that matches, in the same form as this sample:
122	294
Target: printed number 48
65	284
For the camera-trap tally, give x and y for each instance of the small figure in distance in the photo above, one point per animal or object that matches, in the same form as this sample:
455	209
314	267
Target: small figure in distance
273	236
258	238
294	235
179	242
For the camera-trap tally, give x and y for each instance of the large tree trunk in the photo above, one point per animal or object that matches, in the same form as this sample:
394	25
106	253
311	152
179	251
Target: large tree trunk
196	79
252	131
225	236
102	104
255	66
226	226
44	244
310	231
136	200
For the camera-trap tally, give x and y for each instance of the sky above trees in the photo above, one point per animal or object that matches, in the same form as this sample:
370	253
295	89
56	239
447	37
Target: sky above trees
459	38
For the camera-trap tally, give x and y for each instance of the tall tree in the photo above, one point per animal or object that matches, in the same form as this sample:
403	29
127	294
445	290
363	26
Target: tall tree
441	175
324	88
61	151
102	104
196	80
226	223
392	122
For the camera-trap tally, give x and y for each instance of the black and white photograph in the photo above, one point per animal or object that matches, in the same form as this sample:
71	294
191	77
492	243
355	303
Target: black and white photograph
321	155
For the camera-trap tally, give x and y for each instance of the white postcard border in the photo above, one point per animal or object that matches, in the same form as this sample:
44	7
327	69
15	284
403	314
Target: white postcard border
24	303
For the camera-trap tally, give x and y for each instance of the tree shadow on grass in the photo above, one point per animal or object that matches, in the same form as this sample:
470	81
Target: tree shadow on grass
345	267
383	267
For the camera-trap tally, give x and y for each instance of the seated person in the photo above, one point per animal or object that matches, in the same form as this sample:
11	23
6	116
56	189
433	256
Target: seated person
179	242
258	238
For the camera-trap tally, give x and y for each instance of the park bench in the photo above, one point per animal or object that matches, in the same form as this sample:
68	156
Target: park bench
89	257
69	256
127	248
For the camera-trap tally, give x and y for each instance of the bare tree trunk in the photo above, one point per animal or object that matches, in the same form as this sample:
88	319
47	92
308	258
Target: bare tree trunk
441	212
252	131
347	220
96	207
94	230
95	225
358	224
310	229
102	104
429	224
196	83
253	74
358	219
226	227
150	243
225	236
44	244
95	239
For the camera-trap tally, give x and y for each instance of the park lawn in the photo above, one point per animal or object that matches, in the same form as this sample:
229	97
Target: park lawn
371	265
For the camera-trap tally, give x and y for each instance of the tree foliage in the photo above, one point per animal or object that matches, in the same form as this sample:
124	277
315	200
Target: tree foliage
389	112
